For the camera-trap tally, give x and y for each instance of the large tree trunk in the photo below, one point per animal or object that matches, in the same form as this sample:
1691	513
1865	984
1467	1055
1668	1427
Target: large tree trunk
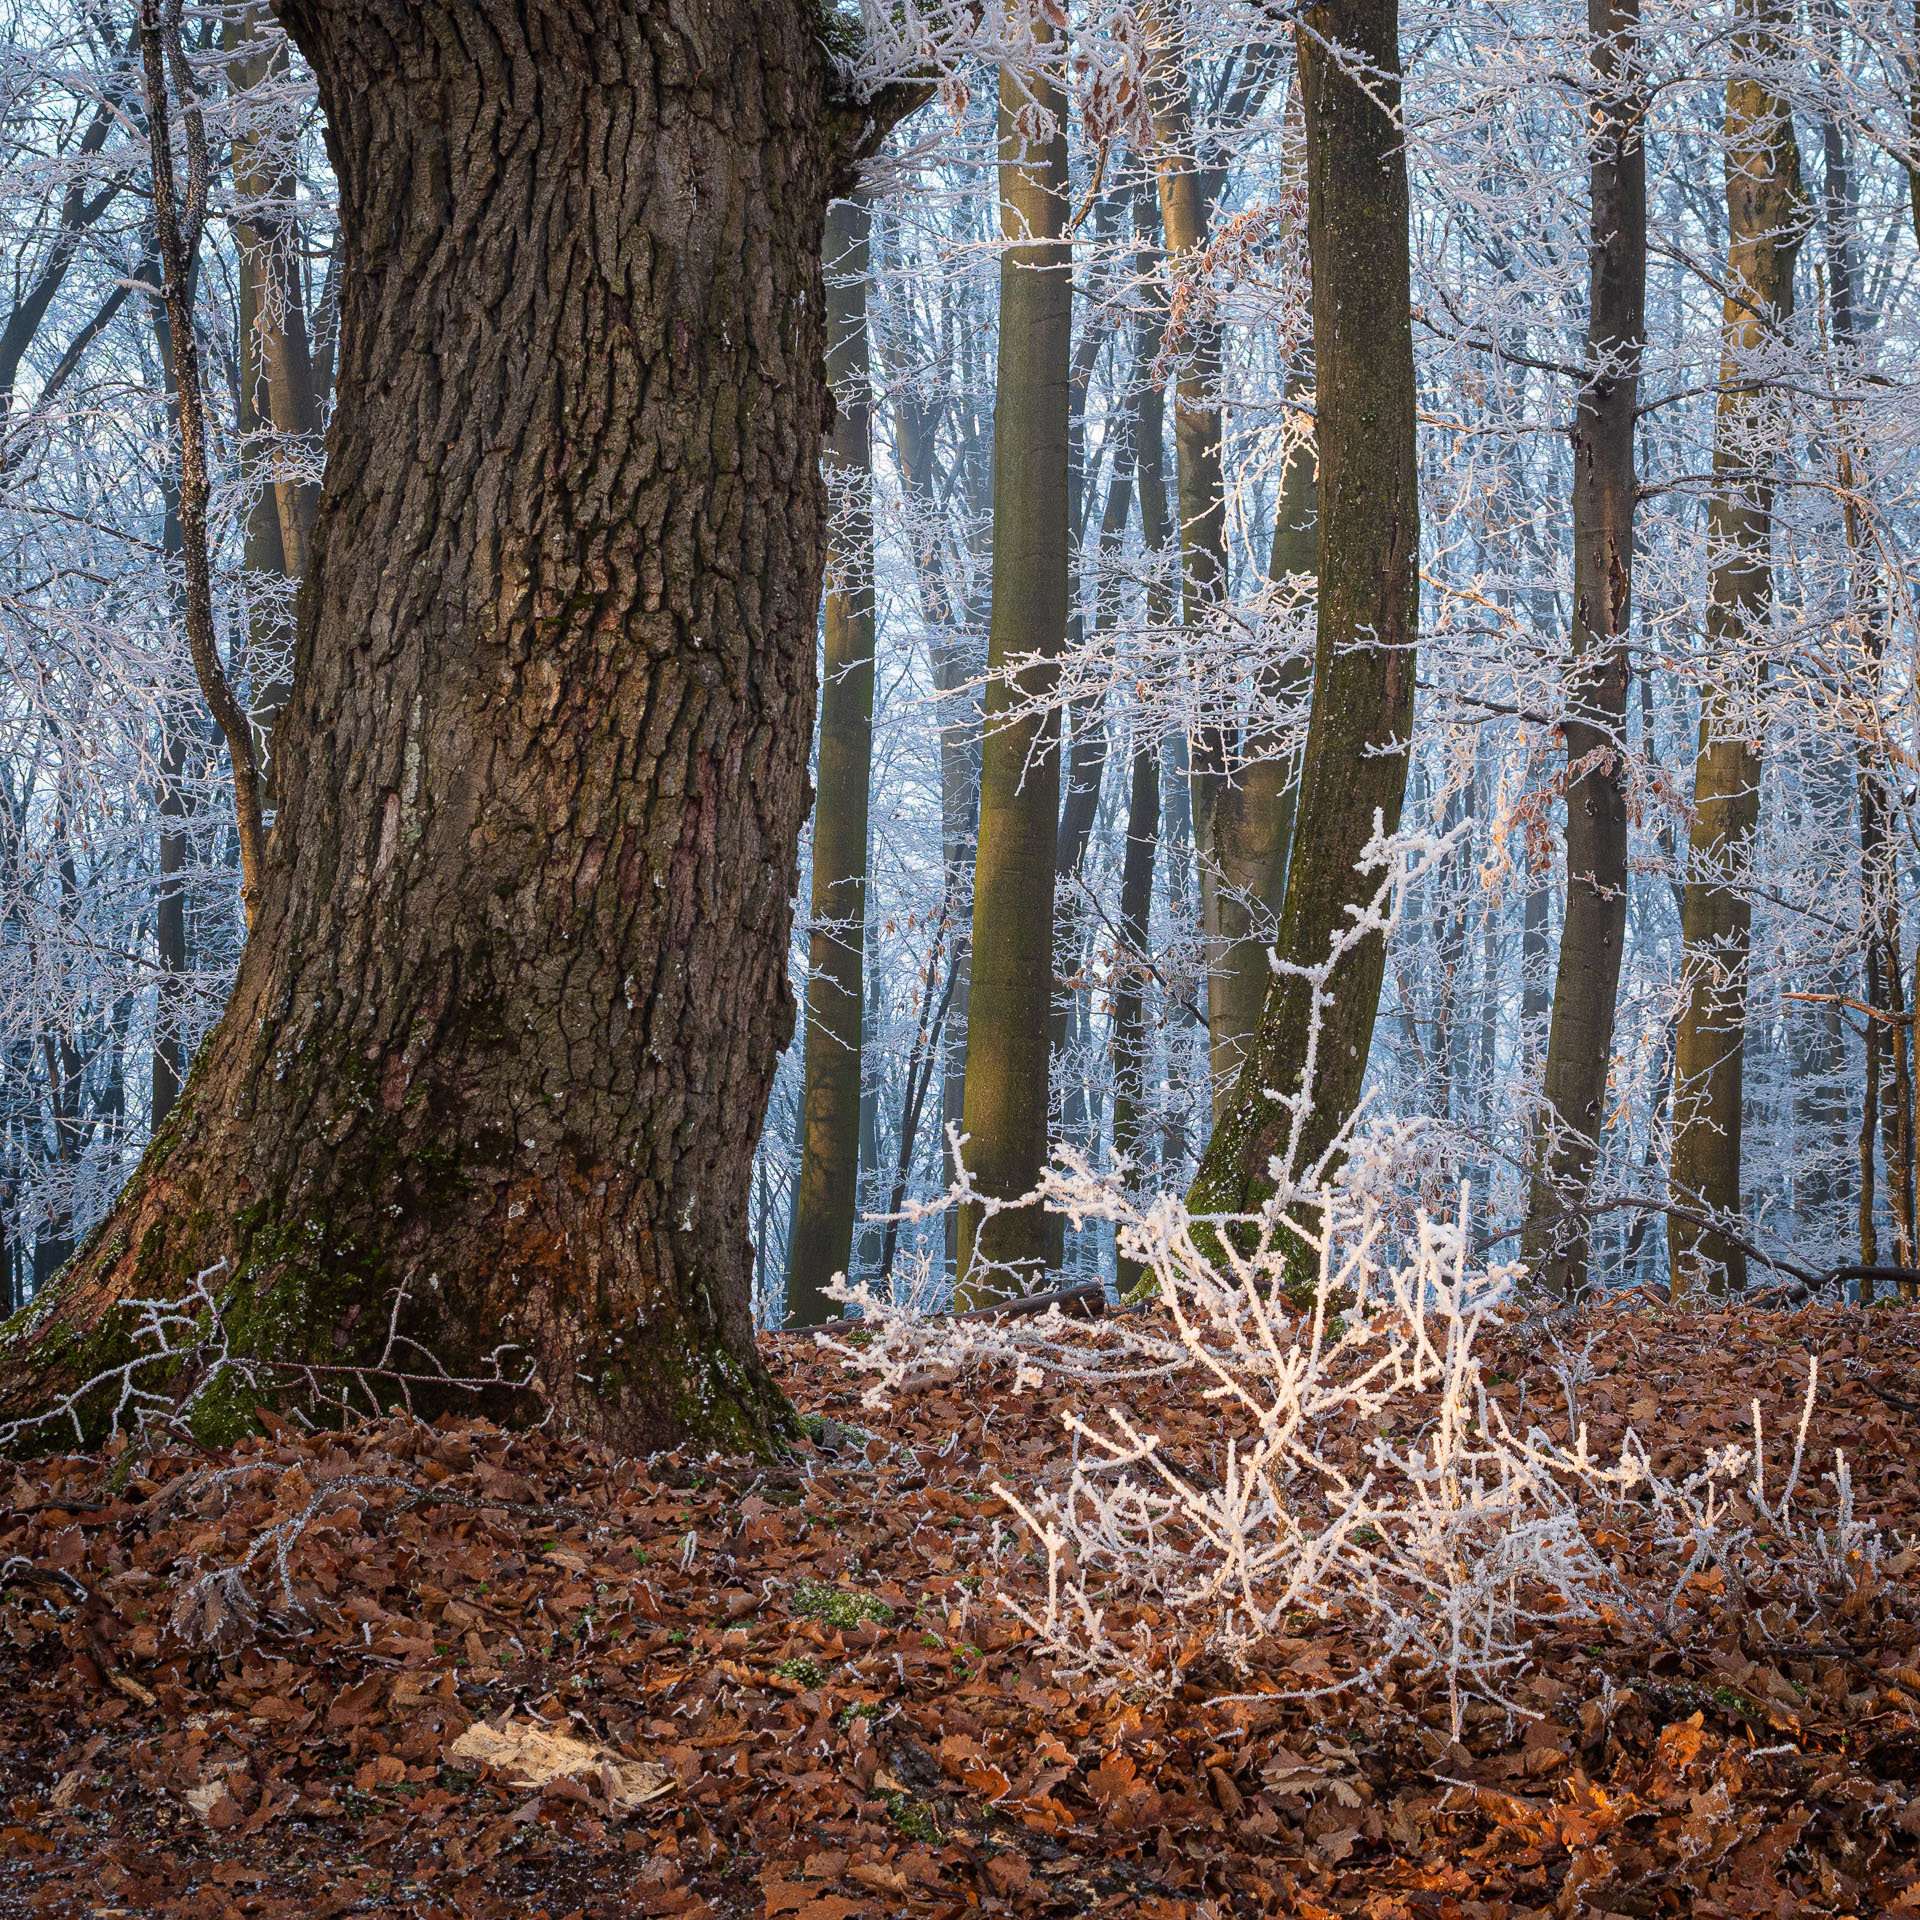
1764	218
502	1038
1355	762
1009	1016
836	948
1605	489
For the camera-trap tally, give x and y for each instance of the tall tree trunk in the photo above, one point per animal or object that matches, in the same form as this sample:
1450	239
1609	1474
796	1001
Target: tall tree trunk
1764	217
830	1130
915	421
1879	891
1355	762
502	1039
1242	800
1129	998
277	391
1009	1017
179	214
1605	487
178	737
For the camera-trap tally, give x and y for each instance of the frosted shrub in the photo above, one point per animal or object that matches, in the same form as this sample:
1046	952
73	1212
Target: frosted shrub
1450	1544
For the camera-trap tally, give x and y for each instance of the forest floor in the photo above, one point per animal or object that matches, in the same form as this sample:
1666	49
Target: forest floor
792	1693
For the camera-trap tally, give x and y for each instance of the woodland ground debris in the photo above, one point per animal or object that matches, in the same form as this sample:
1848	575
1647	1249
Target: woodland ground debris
1758	1753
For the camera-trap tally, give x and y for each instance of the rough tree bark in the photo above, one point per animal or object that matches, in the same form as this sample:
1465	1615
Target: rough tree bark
1605	492
1355	760
836	946
1009	1023
1765	220
503	1036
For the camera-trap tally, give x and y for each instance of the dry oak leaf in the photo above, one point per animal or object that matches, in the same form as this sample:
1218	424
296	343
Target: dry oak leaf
534	1756
214	1804
1113	1780
1679	1745
1006	1873
1335	1846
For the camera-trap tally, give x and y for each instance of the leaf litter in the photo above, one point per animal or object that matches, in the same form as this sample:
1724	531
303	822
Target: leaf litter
456	1671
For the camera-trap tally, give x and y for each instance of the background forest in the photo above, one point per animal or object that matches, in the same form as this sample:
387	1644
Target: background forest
1754	721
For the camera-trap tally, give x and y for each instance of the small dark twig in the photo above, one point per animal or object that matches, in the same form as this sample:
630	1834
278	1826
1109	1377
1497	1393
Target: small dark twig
1089	1300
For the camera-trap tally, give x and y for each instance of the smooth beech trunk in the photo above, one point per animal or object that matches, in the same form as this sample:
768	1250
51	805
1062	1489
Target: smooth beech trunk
274	350
1132	1048
1605	489
1009	1017
180	739
836	946
1765	218
948	621
1355	759
1242	794
502	1038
